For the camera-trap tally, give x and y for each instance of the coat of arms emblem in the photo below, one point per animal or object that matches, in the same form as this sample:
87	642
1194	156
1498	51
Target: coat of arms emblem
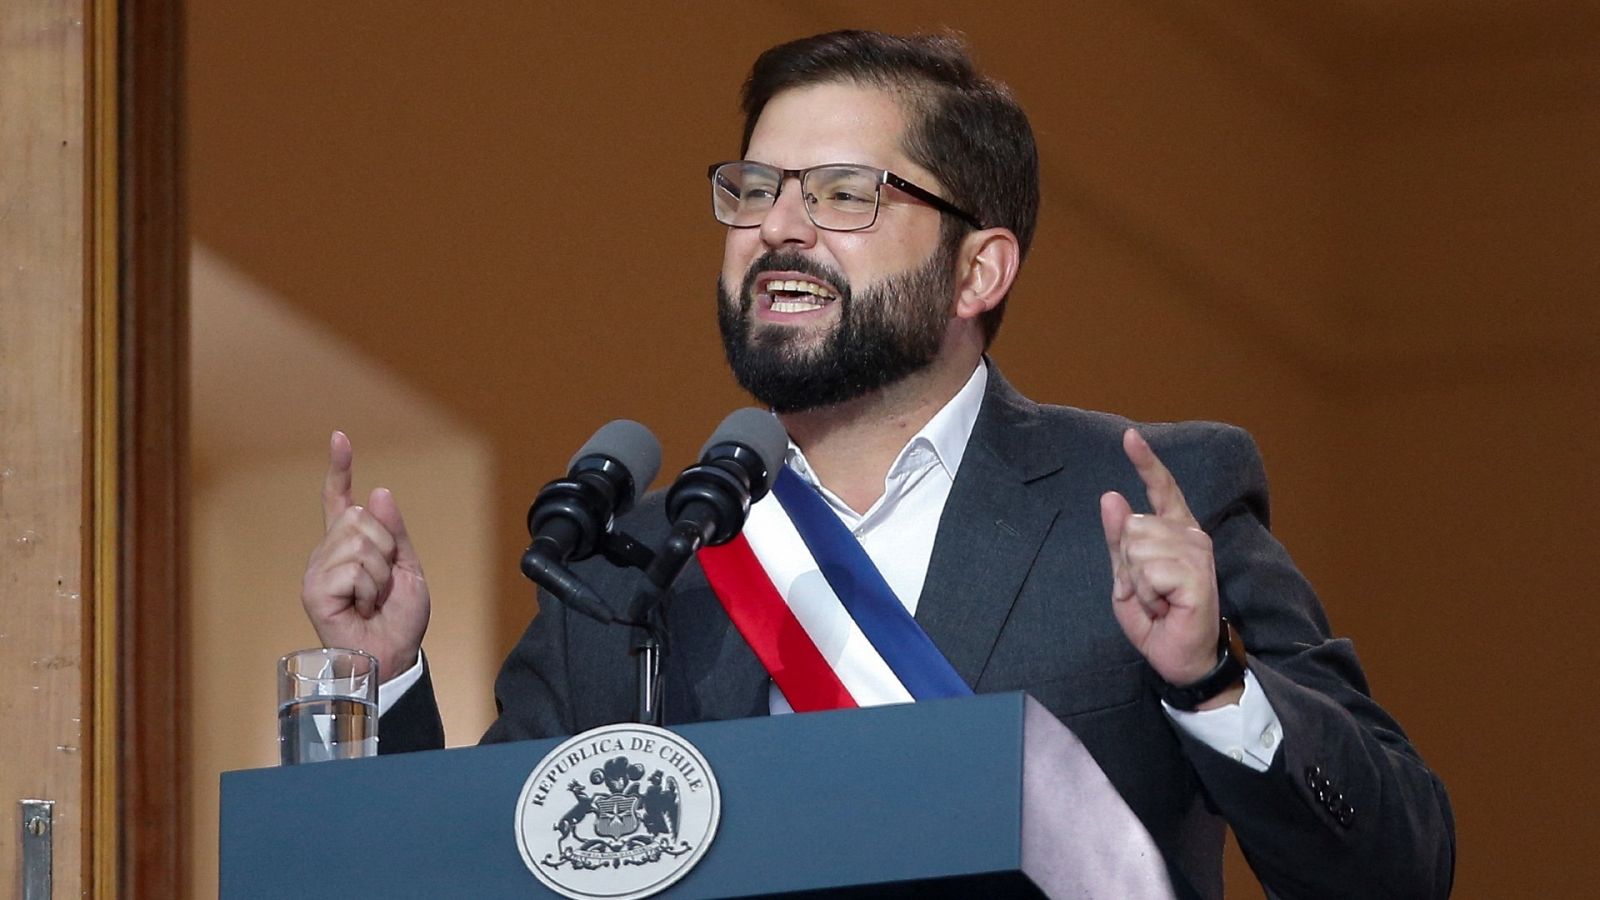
636	808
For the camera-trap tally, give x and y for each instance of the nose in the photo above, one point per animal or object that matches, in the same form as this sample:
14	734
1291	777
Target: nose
787	222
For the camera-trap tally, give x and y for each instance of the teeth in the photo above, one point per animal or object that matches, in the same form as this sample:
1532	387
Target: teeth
801	287
794	306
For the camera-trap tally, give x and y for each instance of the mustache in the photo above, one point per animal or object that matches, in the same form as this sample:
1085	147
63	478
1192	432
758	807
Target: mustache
791	261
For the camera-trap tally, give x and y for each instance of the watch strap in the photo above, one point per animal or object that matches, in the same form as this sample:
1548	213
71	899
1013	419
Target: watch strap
1227	672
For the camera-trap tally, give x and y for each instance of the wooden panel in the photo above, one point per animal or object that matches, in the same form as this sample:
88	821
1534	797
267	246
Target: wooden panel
44	554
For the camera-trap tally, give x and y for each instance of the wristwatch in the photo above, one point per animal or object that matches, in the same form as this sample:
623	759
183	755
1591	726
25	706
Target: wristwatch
1226	674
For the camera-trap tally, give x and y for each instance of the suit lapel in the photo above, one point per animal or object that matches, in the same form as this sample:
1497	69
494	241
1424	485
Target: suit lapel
990	532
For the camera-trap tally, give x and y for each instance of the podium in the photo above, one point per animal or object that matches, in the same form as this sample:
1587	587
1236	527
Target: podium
987	796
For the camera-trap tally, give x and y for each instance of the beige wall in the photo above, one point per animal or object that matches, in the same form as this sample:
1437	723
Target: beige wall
259	450
1365	234
1468	412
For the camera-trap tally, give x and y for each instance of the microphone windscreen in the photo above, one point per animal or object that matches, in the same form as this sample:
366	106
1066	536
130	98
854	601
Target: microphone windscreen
759	430
630	444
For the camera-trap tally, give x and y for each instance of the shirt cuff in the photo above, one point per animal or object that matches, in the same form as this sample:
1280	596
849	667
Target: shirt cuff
1248	732
392	690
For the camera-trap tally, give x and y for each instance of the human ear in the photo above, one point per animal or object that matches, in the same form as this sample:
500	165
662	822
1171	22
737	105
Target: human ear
989	260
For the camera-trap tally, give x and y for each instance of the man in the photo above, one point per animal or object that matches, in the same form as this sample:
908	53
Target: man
878	217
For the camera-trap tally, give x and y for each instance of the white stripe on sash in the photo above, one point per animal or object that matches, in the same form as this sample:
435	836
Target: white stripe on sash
794	573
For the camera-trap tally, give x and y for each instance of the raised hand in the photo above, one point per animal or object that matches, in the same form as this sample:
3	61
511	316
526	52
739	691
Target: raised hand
1164	580
363	586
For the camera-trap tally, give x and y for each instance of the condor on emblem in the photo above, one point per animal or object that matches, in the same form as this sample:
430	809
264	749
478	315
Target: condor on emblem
618	812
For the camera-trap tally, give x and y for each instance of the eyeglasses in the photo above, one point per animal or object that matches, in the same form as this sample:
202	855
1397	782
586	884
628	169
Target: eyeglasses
838	196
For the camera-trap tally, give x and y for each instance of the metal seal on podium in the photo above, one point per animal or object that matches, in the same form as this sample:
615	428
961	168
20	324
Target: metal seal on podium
618	812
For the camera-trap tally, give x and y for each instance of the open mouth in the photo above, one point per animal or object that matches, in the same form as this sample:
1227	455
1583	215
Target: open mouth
788	293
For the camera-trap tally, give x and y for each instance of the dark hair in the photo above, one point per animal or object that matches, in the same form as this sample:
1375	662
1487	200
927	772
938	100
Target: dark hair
963	127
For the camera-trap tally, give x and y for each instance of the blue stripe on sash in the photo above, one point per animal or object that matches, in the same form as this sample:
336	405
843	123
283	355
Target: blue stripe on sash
885	621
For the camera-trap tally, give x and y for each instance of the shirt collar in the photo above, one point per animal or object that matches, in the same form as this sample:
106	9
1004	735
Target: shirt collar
951	427
946	433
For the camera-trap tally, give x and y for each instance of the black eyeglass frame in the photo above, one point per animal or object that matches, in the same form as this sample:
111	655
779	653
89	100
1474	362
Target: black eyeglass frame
884	177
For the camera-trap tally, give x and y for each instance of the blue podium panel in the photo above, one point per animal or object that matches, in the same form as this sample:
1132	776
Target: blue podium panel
914	800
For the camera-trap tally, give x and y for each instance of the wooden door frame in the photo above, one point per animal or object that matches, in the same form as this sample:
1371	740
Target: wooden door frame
152	455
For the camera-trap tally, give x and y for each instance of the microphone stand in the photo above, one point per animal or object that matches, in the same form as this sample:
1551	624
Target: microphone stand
648	613
648	646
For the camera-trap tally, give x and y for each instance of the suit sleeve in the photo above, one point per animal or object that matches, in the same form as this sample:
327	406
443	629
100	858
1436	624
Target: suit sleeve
412	723
1347	808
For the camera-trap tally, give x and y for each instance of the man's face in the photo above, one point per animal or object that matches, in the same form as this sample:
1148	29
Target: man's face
870	307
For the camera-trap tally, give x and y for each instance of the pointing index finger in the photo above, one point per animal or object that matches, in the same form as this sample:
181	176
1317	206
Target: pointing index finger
336	496
1166	499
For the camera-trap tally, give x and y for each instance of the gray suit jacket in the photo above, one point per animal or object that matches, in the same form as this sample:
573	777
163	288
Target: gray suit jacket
1018	597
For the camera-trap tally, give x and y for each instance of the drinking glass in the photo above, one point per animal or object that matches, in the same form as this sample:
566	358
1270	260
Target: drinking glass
327	705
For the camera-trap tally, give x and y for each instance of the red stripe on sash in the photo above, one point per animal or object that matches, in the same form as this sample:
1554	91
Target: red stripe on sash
770	628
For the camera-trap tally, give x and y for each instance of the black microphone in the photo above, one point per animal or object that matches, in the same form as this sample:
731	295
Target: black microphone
708	503
571	515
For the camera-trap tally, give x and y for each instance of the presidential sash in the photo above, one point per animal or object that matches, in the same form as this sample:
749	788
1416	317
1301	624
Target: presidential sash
818	613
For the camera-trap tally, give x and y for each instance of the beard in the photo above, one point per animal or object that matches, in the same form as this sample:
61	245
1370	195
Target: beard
885	333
